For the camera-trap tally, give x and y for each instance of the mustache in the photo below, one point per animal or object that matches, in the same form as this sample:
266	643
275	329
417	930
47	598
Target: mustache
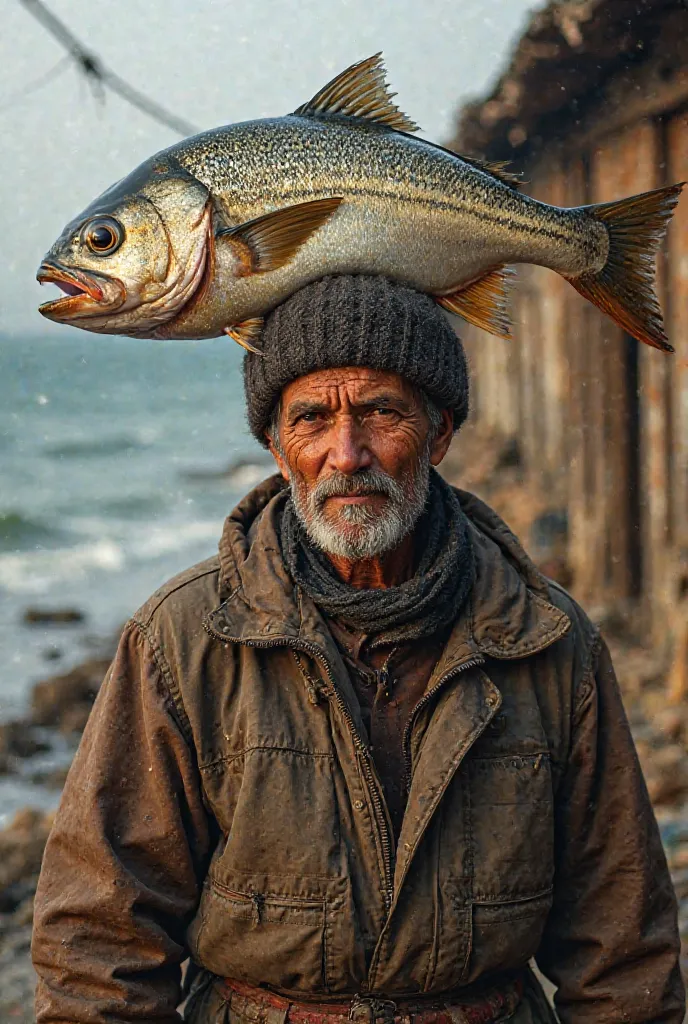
366	481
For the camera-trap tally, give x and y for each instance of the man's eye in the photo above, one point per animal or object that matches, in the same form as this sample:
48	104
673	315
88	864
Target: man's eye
309	417
384	411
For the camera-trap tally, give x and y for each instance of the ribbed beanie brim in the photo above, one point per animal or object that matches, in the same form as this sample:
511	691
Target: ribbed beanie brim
356	320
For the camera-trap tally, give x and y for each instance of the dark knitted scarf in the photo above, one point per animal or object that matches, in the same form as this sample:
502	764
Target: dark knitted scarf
421	606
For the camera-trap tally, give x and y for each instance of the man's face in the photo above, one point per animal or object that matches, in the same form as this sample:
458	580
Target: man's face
356	445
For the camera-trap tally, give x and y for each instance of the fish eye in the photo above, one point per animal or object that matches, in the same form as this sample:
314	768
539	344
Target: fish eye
103	235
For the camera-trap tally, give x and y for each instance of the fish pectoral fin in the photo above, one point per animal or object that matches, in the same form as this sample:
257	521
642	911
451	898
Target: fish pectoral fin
360	91
270	241
483	303
247	333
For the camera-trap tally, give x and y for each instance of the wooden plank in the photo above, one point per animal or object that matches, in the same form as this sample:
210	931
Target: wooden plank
644	159
511	359
634	96
623	166
676	153
521	362
555	351
565	387
677	324
540	348
577	344
601	339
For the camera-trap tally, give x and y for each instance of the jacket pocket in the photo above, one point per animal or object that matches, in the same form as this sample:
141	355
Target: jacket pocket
264	938
506	934
511	826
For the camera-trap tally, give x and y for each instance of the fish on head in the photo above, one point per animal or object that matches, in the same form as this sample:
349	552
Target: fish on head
208	236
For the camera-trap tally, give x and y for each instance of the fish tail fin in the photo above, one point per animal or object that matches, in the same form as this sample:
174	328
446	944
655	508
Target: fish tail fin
625	287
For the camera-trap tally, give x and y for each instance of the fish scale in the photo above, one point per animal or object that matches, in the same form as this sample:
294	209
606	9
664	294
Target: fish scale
212	233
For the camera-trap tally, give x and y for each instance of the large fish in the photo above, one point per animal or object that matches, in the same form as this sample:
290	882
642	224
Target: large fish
209	235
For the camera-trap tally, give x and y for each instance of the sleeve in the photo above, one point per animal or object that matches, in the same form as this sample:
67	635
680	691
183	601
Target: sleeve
122	869
611	944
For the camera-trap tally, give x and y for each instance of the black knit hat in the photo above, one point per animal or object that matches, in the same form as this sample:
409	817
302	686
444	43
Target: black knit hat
356	320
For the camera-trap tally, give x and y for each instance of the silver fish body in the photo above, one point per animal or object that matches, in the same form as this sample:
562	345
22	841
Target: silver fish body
209	235
410	211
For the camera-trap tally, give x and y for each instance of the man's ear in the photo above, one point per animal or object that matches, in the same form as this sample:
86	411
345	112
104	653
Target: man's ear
443	437
281	464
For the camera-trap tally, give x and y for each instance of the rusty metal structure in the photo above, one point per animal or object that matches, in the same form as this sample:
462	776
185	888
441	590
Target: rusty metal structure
593	107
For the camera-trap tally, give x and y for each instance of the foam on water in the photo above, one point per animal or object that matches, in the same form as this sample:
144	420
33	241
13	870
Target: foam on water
95	436
37	572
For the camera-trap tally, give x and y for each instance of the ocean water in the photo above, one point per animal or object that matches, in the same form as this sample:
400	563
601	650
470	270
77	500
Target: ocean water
115	473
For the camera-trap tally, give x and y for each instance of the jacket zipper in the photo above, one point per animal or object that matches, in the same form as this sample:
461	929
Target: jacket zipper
406	743
359	745
425	699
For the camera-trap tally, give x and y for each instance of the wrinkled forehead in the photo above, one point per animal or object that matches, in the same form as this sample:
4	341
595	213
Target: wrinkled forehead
351	385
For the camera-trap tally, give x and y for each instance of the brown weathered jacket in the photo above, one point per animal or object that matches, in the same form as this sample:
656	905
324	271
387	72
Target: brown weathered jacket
223	803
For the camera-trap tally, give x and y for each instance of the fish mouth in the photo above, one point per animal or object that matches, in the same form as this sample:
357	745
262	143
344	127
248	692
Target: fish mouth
85	294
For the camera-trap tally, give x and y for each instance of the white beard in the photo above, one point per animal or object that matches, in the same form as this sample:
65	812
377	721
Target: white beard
356	531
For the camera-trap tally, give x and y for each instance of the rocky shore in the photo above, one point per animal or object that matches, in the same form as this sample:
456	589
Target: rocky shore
38	748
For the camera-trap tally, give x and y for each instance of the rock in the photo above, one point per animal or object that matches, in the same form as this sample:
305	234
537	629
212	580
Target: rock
18	978
645	754
18	739
550	529
15	895
74	719
21	847
51	653
679	859
654	704
558	569
64	701
671	723
667	774
51	778
23	915
53	616
548	545
239	473
509	455
21	850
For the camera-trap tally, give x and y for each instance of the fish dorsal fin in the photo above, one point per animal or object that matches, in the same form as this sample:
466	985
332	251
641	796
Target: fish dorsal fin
270	241
360	91
497	168
483	302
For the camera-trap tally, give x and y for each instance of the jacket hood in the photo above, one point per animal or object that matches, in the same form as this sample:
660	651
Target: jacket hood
509	614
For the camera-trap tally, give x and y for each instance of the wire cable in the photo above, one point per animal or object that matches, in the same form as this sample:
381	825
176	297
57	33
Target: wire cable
99	76
37	83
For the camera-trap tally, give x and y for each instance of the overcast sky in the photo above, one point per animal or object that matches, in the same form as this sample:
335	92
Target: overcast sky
212	62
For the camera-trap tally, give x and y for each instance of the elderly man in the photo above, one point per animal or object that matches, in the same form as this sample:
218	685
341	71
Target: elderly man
367	763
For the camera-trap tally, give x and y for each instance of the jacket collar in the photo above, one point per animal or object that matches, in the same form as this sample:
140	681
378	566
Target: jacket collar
508	614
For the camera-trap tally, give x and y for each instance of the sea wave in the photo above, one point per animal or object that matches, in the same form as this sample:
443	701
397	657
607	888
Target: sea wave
34	572
81	510
163	540
17	531
31	572
85	447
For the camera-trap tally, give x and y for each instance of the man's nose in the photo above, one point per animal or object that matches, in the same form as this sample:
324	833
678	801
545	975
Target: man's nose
348	449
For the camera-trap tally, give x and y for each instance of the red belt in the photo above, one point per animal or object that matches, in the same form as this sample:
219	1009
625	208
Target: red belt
491	1006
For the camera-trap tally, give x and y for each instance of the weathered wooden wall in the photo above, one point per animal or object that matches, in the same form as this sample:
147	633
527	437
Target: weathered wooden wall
603	421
